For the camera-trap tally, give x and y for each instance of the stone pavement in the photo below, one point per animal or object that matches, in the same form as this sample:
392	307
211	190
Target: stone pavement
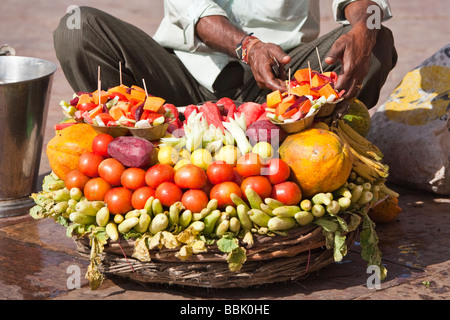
35	255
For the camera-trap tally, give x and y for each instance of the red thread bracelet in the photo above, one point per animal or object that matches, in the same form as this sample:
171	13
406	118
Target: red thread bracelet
247	50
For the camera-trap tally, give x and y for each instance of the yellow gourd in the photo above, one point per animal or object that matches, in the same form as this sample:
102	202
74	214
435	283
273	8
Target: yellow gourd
66	147
319	161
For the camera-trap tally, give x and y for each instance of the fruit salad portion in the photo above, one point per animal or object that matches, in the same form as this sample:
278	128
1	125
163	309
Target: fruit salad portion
122	106
307	92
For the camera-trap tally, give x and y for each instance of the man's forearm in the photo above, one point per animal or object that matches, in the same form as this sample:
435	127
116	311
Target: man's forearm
218	33
356	12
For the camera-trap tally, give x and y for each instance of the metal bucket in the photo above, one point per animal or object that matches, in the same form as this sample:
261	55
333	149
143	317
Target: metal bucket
25	85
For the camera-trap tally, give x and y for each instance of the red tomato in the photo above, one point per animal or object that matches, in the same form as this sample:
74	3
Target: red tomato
220	171
88	164
287	192
278	171
168	193
133	178
195	200
96	189
158	174
207	187
261	185
118	200
223	191
76	179
236	177
101	142
190	176
249	164
111	170
140	197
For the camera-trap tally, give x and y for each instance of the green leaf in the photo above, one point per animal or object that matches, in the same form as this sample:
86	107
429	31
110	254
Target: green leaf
327	225
342	223
369	242
48	181
236	259
227	243
340	247
355	221
100	234
37	212
43	198
329	238
78	229
62	221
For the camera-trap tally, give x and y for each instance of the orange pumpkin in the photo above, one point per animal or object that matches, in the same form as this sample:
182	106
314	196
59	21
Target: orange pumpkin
66	147
319	161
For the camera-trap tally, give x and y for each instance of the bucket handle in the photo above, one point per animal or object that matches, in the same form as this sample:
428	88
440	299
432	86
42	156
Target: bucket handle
6	50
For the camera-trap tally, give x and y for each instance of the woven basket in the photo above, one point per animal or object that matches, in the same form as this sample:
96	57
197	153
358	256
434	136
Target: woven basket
270	260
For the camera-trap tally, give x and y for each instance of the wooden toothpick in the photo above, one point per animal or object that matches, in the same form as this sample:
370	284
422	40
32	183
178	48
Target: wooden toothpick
120	72
320	61
309	69
145	88
99	83
289	83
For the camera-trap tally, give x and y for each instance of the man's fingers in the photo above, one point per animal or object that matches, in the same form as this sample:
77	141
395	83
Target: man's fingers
336	52
278	61
267	62
284	59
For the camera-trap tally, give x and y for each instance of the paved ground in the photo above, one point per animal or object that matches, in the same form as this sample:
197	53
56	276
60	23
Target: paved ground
35	255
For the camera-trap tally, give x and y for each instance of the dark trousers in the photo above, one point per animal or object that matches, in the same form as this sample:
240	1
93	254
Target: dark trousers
104	40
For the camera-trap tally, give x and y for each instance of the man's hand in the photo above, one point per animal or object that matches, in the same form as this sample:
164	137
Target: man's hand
354	49
261	58
219	33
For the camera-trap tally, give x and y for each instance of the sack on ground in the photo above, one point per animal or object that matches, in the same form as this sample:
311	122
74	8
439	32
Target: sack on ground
412	128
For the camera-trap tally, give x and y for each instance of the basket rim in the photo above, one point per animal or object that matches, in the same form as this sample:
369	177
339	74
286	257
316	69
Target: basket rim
299	240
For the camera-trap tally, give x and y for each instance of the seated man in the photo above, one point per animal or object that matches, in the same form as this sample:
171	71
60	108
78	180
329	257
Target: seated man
209	49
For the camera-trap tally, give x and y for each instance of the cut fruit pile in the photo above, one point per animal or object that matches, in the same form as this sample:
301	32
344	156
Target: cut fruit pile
308	91
119	106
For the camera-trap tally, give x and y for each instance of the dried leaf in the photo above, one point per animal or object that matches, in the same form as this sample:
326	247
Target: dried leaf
141	251
184	253
187	235
198	246
93	273
169	240
155	241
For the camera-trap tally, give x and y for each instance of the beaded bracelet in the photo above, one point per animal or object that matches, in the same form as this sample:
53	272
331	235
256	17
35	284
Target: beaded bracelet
241	47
